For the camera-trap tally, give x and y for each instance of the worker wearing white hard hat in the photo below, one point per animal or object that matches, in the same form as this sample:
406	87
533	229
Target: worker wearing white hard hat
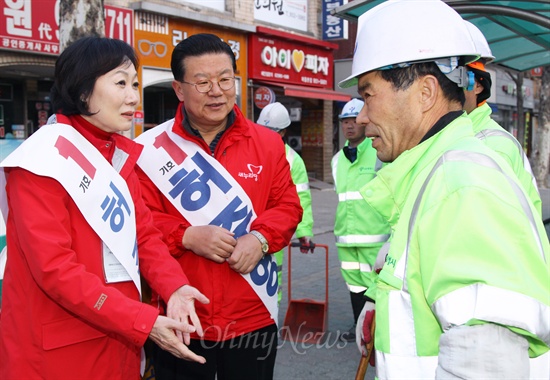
275	117
449	288
359	230
486	128
482	90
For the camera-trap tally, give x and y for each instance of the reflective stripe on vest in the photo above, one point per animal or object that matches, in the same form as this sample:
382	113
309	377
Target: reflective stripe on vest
391	366
355	265
335	167
290	154
349	265
456	307
362	239
364	267
302	187
356	288
482	135
350	196
474	301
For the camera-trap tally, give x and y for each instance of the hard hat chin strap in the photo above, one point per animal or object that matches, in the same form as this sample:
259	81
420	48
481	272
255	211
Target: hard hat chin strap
457	74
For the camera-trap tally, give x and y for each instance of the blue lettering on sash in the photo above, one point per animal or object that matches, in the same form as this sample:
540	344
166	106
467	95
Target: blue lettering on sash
116	214
230	214
186	184
266	273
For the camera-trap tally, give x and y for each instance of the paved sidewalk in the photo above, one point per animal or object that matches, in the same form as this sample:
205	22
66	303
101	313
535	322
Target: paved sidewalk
330	359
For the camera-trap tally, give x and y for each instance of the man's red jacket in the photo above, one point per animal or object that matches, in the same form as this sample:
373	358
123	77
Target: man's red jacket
255	157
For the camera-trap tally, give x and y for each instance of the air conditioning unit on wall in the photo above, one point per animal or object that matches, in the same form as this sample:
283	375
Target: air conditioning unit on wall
295	142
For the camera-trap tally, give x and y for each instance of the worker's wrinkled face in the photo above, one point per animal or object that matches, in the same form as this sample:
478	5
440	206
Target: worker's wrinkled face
391	116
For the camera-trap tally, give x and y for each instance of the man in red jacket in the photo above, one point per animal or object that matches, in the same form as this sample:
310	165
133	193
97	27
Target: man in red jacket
220	190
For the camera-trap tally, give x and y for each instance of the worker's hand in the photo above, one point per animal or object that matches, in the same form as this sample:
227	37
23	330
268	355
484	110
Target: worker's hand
306	244
181	308
211	242
363	335
163	335
247	254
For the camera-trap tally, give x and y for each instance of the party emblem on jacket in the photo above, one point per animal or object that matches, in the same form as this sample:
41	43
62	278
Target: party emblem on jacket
254	172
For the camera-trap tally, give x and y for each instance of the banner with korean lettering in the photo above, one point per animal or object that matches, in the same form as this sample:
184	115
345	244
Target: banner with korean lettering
287	13
334	28
281	60
205	193
33	25
58	151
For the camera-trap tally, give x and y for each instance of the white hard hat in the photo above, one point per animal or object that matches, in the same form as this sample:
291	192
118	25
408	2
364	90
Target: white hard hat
481	44
399	32
274	116
351	109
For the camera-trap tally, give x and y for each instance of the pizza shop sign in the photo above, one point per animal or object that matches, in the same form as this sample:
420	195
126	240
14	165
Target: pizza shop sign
281	61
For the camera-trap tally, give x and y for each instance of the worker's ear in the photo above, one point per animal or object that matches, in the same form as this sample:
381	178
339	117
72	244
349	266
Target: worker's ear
478	88
429	91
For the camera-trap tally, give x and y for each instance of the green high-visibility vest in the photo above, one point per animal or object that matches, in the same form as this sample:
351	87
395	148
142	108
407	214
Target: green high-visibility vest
468	247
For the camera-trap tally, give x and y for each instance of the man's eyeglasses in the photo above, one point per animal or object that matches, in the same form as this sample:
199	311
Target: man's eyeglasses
206	85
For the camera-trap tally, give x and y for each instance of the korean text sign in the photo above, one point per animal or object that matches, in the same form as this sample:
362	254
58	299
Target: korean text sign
33	25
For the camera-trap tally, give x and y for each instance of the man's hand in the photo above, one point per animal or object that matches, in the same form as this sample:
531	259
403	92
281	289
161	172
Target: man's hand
247	254
306	244
363	335
181	308
163	335
211	242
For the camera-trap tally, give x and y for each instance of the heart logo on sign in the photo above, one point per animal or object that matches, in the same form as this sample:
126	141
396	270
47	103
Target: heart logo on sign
298	59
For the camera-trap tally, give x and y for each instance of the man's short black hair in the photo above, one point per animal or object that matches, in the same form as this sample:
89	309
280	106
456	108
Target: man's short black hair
403	78
195	46
484	78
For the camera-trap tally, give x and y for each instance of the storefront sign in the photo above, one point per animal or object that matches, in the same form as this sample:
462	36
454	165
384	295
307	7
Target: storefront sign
263	96
33	25
291	14
139	119
334	28
119	24
279	60
536	72
156	37
30	26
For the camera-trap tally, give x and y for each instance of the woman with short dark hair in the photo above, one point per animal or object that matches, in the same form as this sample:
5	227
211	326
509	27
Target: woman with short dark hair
79	236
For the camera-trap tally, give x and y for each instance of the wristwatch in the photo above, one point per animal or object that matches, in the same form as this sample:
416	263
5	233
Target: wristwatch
262	239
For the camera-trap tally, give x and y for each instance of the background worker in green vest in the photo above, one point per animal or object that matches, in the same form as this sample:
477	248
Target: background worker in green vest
359	231
487	129
275	117
464	291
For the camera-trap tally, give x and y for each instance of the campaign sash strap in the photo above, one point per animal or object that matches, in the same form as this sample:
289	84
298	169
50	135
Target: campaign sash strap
58	151
205	193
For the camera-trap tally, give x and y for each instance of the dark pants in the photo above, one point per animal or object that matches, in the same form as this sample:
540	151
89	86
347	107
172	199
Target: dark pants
250	356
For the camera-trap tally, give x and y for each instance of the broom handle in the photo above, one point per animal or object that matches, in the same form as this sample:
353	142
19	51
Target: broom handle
364	362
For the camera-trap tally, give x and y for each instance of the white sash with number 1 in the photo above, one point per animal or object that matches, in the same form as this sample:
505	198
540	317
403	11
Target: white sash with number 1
205	193
58	151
